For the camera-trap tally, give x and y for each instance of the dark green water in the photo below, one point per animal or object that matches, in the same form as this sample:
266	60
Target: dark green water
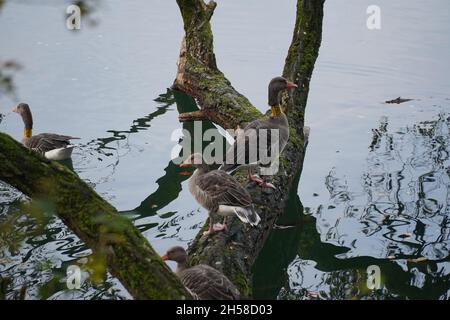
375	184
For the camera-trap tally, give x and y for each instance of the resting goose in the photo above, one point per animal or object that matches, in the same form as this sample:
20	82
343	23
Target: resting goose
219	193
237	157
51	146
202	281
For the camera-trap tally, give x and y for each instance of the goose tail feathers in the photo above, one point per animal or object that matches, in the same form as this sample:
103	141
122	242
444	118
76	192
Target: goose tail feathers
248	215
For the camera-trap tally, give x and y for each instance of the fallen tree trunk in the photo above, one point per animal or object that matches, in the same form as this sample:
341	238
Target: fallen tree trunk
126	253
235	252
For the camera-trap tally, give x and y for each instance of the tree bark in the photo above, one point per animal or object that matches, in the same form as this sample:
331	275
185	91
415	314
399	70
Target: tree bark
127	254
235	251
199	76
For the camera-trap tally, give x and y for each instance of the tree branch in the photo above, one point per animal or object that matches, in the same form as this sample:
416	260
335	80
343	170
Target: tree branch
235	252
198	74
127	254
193	116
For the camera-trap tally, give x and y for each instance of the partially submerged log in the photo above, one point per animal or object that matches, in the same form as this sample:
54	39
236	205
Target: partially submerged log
235	252
127	254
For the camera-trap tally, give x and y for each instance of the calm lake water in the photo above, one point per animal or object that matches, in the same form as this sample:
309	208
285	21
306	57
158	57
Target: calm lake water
375	187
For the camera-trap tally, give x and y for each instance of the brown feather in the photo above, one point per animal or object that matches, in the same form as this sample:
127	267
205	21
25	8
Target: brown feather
208	283
46	142
242	157
216	188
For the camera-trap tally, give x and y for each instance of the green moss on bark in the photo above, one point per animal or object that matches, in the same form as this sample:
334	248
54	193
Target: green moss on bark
234	252
128	255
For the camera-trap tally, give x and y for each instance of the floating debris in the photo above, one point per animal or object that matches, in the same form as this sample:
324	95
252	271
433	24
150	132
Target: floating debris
398	100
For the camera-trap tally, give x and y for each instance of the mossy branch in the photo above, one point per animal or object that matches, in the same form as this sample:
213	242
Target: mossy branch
301	57
235	252
193	116
127	254
198	74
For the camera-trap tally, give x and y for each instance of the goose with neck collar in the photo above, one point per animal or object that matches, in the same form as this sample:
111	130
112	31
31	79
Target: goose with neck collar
50	145
237	158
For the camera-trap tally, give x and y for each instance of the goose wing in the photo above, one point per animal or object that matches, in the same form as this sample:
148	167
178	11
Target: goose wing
208	283
222	189
47	141
249	136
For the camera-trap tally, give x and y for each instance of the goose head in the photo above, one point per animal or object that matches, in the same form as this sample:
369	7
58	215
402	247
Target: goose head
24	111
194	160
277	85
177	254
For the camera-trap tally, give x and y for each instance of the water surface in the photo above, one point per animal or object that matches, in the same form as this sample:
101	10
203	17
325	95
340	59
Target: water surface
374	188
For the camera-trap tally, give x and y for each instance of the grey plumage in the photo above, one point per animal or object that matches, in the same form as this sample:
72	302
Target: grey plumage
215	188
241	156
45	142
248	155
207	283
202	281
248	215
50	145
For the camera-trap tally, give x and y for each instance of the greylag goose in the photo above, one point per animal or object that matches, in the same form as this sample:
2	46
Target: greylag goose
219	193
202	281
238	157
51	146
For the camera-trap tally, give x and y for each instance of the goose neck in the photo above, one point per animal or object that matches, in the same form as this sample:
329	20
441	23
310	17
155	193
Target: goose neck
276	110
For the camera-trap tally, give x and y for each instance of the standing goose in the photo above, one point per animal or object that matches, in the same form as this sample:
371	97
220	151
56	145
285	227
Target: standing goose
51	146
238	157
219	193
202	281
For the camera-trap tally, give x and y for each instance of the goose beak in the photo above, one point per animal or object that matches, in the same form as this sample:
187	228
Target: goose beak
290	85
165	257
